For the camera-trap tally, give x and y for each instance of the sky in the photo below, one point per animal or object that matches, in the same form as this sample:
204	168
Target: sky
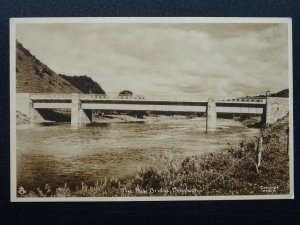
208	59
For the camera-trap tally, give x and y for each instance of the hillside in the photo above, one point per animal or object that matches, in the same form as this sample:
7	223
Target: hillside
84	83
34	76
284	93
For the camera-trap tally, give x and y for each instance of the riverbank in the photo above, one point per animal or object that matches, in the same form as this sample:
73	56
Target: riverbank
232	172
21	118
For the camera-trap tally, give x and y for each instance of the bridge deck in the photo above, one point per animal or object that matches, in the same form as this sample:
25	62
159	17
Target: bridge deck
137	103
165	99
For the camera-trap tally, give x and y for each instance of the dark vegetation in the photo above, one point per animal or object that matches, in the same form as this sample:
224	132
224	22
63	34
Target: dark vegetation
125	93
85	84
231	172
283	94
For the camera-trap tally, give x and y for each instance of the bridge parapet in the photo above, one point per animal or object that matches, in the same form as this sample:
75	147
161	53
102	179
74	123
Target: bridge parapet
50	96
56	96
245	100
108	97
158	98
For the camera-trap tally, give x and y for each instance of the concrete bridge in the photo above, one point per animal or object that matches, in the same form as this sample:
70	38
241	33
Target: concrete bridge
81	105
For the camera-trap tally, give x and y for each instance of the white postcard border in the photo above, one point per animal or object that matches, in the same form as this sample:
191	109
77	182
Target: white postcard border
15	21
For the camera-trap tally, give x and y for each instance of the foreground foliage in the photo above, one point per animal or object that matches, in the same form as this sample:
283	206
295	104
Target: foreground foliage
231	172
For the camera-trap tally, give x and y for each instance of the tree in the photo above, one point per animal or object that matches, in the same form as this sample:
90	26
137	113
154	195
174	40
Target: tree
125	93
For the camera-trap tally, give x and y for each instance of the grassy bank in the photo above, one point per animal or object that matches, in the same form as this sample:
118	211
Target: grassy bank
231	172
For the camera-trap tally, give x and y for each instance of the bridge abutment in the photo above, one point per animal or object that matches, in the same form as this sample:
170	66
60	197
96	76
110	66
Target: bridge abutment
211	115
276	108
79	115
35	116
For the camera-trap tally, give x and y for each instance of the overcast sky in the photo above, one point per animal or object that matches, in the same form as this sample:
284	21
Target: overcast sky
174	59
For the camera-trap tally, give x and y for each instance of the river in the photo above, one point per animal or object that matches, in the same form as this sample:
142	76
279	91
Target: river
56	153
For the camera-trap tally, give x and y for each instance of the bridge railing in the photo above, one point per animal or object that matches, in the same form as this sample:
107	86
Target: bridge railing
42	96
190	98
250	100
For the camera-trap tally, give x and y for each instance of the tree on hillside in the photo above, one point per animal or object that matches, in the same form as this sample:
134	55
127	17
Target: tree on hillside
125	93
284	94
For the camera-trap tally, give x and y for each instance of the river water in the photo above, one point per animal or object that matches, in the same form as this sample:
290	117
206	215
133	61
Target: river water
56	153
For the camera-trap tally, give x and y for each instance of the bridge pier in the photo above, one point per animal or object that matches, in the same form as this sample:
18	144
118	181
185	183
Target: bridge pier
79	115
211	115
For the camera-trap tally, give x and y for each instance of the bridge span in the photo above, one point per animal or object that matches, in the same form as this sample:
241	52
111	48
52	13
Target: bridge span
81	105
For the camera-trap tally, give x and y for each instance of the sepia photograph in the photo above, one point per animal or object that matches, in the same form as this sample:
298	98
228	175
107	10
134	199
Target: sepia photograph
151	109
